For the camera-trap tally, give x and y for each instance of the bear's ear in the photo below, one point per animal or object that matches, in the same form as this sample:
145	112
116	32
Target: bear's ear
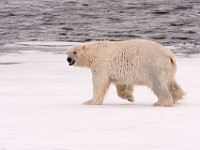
83	47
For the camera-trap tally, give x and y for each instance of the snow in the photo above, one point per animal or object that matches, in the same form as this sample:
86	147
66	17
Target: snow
41	109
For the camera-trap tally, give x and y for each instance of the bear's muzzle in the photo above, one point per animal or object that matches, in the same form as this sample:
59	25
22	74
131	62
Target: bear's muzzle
70	61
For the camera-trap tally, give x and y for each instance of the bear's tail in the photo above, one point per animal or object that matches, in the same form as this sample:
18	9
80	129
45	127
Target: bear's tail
173	61
176	91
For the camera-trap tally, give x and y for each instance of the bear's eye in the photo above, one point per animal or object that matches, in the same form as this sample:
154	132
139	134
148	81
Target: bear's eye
74	53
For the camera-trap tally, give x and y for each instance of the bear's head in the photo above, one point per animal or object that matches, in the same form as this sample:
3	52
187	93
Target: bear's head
77	56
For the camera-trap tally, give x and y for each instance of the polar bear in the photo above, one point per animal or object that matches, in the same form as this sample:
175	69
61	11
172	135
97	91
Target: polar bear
128	63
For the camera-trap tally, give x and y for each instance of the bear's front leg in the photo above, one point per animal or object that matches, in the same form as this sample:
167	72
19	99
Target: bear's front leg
100	87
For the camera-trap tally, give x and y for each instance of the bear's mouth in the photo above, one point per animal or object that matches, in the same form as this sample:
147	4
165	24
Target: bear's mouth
72	62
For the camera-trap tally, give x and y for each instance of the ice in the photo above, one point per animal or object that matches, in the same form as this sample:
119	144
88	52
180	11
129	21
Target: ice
41	43
41	109
45	43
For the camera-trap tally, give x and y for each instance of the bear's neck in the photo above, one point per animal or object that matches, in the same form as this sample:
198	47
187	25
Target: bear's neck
92	51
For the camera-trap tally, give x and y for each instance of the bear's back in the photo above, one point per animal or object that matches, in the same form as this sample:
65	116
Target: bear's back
134	59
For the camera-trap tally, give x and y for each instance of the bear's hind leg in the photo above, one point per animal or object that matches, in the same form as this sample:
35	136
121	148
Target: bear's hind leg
164	97
125	92
176	91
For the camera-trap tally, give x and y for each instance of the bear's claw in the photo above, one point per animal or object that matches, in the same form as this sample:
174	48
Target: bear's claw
131	99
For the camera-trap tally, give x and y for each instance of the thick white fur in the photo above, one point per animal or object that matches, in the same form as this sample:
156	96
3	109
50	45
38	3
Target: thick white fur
129	63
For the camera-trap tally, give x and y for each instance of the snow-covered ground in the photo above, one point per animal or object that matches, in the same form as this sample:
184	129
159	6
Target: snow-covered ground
41	109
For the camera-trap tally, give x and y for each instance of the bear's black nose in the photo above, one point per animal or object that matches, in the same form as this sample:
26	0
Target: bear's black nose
69	59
